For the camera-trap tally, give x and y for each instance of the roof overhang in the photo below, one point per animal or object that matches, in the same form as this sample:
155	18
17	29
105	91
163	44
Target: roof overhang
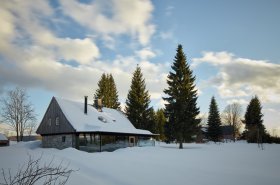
106	133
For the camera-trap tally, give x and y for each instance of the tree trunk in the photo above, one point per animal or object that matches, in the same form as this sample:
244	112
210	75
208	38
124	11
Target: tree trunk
21	136
17	132
234	133
181	145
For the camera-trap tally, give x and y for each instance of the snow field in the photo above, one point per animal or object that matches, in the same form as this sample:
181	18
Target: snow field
196	164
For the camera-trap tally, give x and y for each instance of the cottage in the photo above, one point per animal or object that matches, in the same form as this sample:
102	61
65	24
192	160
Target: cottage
227	132
4	141
89	128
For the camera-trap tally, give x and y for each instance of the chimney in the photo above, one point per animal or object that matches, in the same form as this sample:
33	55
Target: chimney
85	110
98	104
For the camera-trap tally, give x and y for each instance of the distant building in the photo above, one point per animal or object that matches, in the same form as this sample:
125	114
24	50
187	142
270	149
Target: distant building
227	132
4	141
89	128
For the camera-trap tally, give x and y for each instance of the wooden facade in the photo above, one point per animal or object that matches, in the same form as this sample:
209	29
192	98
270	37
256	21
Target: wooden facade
49	123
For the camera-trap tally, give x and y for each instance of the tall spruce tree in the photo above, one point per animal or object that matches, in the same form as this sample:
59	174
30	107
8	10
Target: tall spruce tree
214	131
255	130
107	91
137	103
181	109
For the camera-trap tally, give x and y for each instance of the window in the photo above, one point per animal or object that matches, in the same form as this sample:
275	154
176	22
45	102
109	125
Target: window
63	139
50	122
82	140
57	121
101	118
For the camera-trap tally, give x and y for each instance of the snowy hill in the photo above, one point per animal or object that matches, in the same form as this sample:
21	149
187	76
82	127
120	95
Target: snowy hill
196	164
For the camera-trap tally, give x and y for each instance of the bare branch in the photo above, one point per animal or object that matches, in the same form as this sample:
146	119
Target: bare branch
232	116
33	172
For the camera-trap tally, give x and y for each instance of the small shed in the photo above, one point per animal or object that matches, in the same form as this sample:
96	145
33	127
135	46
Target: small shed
4	141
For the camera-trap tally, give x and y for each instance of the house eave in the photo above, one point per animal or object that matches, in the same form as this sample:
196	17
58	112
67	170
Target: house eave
102	133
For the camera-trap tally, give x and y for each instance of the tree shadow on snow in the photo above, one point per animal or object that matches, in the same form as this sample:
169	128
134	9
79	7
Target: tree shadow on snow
184	148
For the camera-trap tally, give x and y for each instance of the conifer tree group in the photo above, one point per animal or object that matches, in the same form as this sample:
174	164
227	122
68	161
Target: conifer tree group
179	120
181	109
107	92
214	131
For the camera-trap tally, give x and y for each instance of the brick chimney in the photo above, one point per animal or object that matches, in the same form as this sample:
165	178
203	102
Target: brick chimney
98	104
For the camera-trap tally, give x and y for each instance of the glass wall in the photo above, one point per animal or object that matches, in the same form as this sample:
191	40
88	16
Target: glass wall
111	143
146	141
89	142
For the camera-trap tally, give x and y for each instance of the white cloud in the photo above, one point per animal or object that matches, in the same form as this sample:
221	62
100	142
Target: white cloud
25	31
145	53
114	17
241	77
81	50
214	58
239	101
34	56
166	35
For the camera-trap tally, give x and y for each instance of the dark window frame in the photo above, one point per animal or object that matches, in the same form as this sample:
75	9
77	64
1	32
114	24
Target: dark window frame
57	121
63	139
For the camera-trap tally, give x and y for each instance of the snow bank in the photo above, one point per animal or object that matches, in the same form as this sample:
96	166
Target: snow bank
198	164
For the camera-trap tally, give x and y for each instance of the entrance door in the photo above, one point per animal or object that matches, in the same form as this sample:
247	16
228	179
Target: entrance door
131	141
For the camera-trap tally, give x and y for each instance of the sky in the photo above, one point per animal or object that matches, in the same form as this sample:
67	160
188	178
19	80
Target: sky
61	48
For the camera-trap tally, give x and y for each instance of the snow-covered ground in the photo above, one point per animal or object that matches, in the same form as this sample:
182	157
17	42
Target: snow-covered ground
197	164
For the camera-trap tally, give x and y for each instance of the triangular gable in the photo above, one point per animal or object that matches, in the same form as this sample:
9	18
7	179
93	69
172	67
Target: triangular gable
54	121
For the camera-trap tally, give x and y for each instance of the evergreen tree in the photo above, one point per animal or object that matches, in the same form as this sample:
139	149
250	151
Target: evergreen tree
255	130
169	131
113	93
181	109
102	89
107	91
137	103
151	121
160	123
214	131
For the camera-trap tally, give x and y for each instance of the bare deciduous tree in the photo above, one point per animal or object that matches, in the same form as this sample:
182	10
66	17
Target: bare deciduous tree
232	116
35	173
17	111
30	128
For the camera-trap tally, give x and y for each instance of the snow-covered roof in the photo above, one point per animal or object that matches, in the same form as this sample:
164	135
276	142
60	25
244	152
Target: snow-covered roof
3	137
109	120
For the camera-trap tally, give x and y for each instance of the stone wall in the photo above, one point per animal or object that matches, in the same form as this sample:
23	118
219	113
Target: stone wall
56	141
